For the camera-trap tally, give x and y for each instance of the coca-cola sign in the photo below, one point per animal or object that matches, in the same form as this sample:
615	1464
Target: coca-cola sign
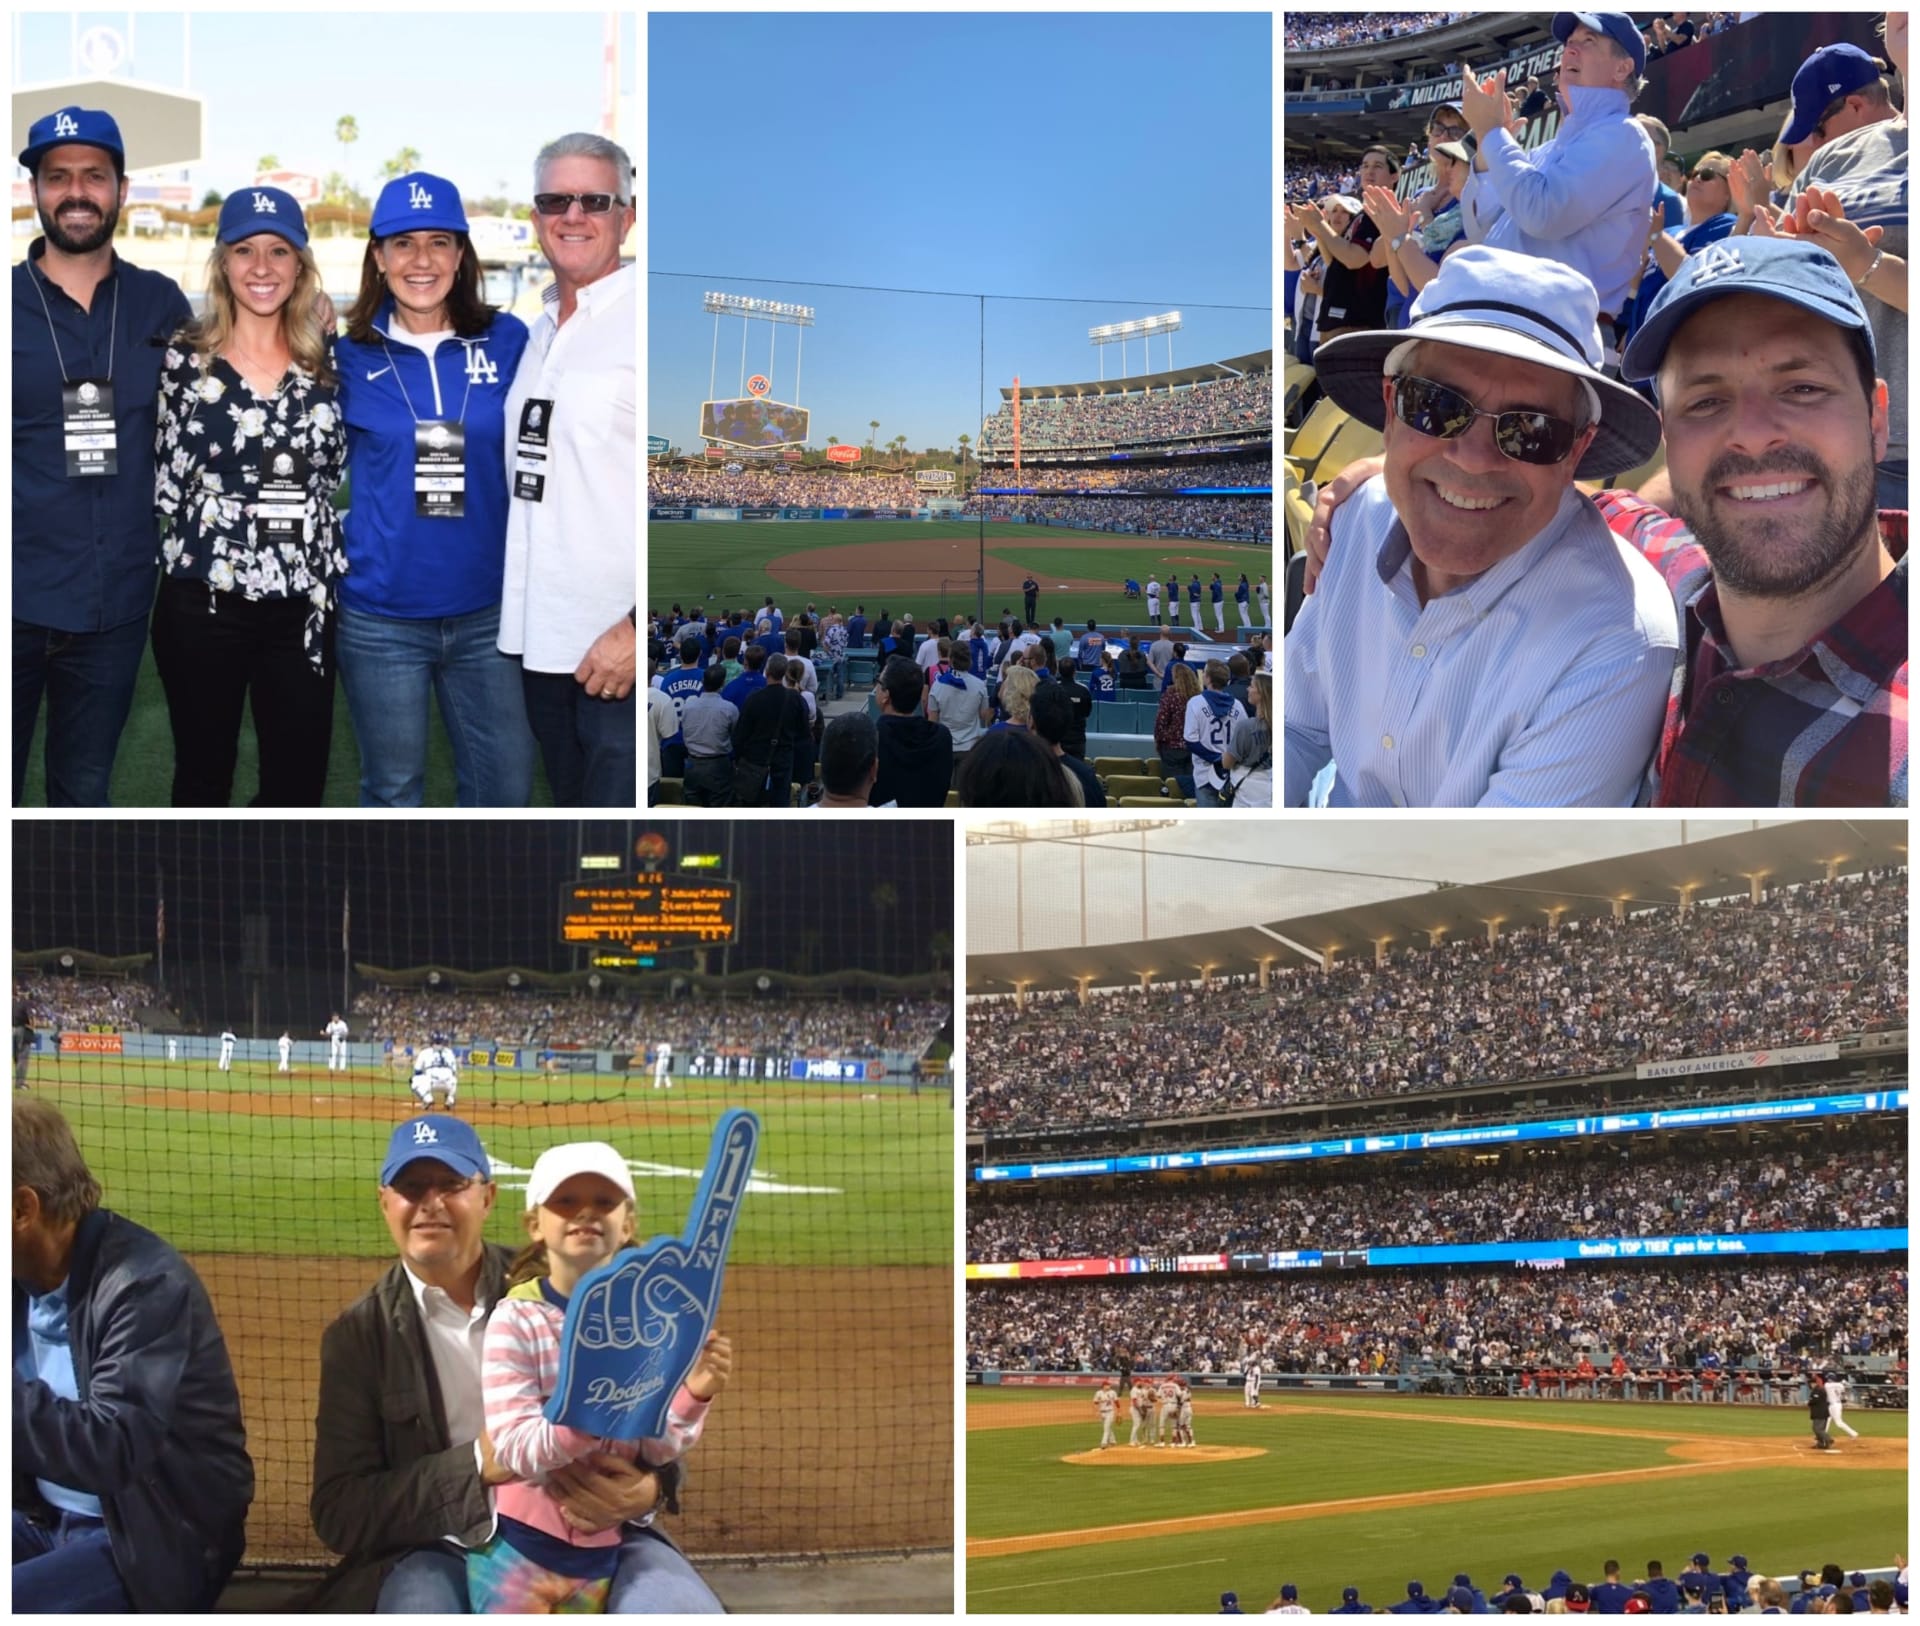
843	454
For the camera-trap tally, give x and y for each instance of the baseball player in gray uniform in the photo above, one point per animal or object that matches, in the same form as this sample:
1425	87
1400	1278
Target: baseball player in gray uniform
1142	1411
1253	1383
1183	1420
1107	1404
1169	1395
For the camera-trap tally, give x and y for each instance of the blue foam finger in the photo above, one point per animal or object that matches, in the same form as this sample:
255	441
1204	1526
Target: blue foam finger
635	1326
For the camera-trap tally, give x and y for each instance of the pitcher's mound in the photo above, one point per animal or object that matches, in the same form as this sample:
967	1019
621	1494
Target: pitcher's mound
1137	1456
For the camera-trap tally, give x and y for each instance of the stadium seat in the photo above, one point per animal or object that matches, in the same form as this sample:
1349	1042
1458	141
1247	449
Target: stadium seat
1351	441
1299	383
1297	500
1305	444
1106	766
669	792
1143	801
1124	785
860	665
953	798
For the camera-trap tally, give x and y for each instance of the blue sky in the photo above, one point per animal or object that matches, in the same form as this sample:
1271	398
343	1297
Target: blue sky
1122	161
477	95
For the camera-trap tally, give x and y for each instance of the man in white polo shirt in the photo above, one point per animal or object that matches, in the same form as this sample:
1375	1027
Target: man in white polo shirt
572	455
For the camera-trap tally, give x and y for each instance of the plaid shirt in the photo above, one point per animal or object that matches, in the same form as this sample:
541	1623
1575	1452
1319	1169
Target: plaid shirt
1825	727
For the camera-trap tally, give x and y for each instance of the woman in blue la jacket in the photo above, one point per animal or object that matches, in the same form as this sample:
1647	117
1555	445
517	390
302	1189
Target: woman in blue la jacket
425	367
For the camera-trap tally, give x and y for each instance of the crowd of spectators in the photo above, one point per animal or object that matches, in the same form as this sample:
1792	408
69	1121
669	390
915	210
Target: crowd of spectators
1224	517
77	1004
828	1028
1806	965
1309	181
1684	1317
1397	1203
1142	477
1222	406
1326	30
778	485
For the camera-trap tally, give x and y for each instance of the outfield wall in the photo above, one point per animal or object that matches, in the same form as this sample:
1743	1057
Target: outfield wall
897	1068
1876	1392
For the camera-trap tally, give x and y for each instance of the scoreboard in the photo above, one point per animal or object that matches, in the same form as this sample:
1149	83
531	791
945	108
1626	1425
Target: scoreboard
631	921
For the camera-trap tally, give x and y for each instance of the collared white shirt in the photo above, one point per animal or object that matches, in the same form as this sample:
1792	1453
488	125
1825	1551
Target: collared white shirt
1541	683
456	1344
573	558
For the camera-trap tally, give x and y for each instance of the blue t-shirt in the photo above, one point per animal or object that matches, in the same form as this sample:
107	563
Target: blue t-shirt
52	1350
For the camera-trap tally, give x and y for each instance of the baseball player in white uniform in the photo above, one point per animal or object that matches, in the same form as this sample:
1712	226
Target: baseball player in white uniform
435	1072
1264	594
662	1066
286	1052
1153	600
227	1042
1836	1387
1142	1411
1183	1422
1106	1403
1169	1394
1253	1384
336	1032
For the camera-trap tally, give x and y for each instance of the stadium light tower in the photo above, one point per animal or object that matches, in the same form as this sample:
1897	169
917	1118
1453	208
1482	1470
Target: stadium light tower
1143	329
771	311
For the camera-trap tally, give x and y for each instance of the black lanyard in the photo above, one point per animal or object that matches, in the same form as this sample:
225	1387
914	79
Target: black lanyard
113	328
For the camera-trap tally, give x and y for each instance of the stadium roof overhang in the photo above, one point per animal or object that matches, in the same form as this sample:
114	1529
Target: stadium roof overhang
1261	361
1780	855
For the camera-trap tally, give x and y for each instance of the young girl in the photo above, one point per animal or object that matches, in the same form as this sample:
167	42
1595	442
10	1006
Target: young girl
580	1212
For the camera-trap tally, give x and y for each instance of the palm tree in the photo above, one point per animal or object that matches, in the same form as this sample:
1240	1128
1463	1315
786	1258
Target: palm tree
265	162
404	162
965	442
346	131
874	425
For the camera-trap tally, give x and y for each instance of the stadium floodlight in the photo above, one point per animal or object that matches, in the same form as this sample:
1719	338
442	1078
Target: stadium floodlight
759	310
1142	328
991	832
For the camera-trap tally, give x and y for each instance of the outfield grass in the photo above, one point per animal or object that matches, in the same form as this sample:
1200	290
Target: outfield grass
1319	1449
724	565
143	767
241	1173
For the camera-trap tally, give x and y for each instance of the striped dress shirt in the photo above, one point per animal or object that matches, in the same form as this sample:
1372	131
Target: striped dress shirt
1541	683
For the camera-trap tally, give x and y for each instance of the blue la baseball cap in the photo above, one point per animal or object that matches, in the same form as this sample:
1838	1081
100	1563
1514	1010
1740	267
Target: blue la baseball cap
1350	1594
1831	72
442	1137
1460	1598
1800	273
82	126
255	209
418	202
1289	1591
1616	25
1416	1590
1738	1561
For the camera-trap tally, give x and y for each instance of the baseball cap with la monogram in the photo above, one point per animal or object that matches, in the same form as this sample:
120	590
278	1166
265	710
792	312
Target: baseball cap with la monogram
82	126
418	202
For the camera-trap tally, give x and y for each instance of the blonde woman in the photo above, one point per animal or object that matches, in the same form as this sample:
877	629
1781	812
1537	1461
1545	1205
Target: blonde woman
1169	722
1248	760
1015	698
250	451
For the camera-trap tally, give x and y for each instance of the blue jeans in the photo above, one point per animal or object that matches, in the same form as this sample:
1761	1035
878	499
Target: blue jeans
586	743
87	679
654	1578
66	1569
388	668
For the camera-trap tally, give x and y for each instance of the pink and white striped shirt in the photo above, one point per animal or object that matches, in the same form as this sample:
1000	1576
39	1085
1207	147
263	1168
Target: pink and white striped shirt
519	1373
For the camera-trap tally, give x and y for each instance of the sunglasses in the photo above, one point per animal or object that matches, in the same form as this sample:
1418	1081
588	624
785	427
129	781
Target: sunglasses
1708	175
591	203
1446	414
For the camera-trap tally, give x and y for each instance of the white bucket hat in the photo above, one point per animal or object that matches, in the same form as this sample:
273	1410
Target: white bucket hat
1505	304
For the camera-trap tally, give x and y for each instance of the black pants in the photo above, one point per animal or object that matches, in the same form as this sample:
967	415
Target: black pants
213	663
708	782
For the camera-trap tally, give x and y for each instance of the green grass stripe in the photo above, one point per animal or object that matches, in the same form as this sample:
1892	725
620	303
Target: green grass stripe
1781	1519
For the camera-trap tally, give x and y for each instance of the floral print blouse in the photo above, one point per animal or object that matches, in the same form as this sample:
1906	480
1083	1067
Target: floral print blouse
216	434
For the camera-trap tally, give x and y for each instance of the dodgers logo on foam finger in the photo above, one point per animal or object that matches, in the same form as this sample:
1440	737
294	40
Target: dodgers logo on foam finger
636	1325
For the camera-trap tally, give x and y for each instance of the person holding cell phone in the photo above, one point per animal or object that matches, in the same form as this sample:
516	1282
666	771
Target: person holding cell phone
425	370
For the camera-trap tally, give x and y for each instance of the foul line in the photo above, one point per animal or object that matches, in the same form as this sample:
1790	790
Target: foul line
1006	1546
1076	1580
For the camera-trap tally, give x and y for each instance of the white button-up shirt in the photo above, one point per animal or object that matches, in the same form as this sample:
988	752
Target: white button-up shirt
573	558
1540	683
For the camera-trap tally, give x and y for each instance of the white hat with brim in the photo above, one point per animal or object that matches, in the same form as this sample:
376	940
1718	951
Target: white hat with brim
554	1167
1505	304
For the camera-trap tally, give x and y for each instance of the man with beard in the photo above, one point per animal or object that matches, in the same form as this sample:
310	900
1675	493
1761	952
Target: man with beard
1793	687
89	337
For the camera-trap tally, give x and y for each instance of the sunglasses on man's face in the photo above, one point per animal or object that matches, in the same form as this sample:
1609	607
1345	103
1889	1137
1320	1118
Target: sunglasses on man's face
591	203
1445	414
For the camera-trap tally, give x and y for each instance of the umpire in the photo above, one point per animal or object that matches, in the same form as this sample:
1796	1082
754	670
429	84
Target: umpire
1818	1410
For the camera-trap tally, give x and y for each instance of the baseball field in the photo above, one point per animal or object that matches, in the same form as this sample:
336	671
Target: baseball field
267	1182
930	568
1333	1491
